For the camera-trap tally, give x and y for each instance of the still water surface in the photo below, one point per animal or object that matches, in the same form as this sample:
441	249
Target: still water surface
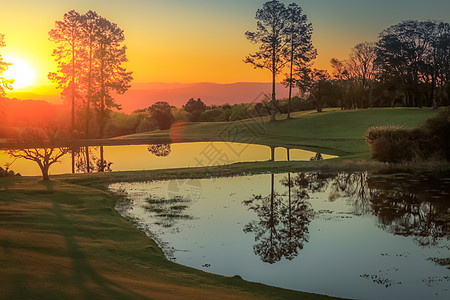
348	235
152	157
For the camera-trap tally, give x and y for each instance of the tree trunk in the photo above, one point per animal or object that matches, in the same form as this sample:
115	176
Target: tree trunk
73	160
272	111
102	96
102	164
72	125
290	78
88	166
44	171
89	94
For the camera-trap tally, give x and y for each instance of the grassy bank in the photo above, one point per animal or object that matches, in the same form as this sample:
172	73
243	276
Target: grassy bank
60	239
333	131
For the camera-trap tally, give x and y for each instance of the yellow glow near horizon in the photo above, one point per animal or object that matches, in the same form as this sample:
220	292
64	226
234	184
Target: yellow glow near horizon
21	71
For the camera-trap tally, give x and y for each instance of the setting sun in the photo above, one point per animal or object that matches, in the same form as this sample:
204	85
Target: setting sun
22	72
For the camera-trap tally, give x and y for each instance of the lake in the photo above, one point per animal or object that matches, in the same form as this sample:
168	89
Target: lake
352	235
162	156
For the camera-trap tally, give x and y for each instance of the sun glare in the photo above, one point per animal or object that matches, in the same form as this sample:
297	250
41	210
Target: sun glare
21	71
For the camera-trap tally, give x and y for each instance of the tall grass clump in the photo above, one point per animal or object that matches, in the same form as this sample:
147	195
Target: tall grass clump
396	144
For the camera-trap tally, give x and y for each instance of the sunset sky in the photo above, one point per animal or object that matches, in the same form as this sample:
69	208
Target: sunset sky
200	40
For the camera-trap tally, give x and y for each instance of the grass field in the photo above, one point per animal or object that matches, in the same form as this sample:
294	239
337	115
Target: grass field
332	131
64	239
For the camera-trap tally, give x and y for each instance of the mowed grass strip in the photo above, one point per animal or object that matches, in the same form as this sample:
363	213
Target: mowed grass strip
61	240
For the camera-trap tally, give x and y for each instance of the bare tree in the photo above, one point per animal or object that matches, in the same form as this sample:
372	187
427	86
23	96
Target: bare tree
43	146
362	66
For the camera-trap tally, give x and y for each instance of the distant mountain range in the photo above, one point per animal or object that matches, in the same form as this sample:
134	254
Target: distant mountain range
143	95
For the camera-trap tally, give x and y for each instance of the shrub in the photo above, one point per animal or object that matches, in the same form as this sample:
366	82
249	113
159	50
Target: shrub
390	143
438	130
396	144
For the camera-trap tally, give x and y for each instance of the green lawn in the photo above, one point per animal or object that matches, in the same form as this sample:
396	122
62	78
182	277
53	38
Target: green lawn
332	131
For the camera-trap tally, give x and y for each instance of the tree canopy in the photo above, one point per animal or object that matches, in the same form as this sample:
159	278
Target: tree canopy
5	84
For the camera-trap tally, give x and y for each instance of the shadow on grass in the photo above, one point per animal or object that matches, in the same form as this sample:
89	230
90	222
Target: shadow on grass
90	283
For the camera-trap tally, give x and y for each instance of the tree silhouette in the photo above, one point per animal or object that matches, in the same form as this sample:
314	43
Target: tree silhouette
403	51
5	84
362	61
90	36
90	58
270	35
300	51
317	83
161	112
43	146
195	109
68	55
111	75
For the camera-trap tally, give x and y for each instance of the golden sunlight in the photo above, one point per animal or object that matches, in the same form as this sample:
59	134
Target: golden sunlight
22	72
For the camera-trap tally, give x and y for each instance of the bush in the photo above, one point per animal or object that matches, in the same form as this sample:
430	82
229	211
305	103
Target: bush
392	144
438	130
396	144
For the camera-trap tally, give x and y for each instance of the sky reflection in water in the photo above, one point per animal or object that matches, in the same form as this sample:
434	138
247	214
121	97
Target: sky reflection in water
178	155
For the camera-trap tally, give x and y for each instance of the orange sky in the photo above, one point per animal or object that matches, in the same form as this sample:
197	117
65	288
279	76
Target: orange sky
201	40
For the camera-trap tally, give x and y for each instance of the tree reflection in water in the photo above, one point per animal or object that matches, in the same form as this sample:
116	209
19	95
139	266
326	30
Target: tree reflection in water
282	226
87	161
404	205
160	149
413	206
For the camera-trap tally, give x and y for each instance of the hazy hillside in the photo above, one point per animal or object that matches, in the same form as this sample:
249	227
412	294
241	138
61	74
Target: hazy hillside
142	95
25	113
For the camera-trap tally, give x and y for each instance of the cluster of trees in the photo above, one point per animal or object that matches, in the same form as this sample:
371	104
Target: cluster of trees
90	56
408	65
284	38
